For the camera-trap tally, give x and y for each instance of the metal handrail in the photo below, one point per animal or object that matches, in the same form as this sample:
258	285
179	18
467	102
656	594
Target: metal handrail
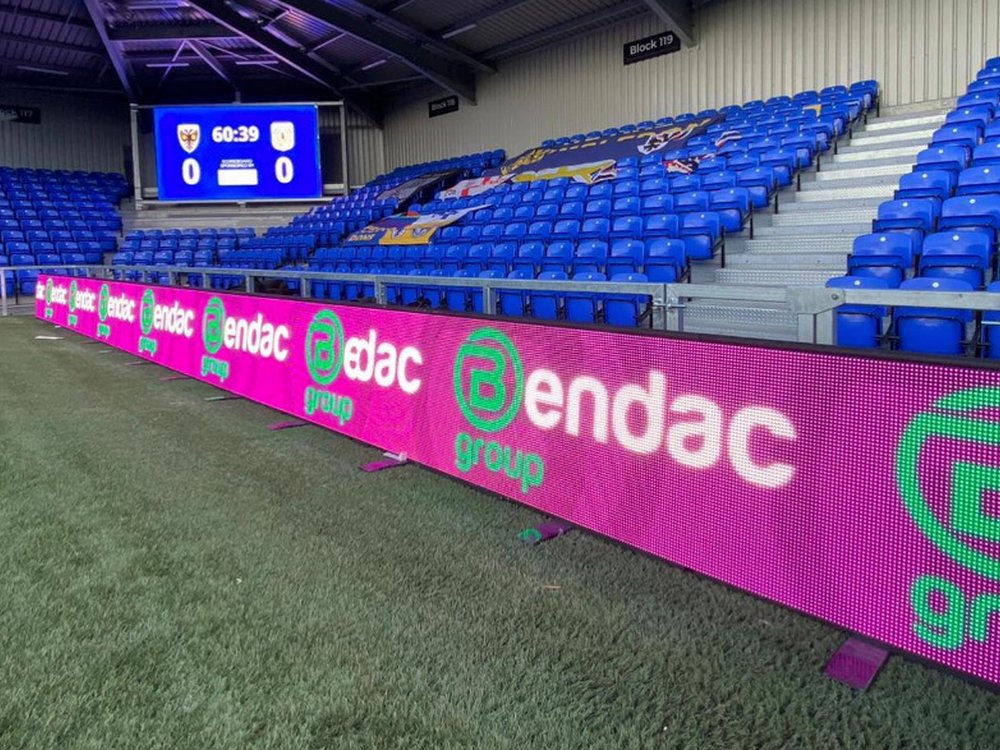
814	306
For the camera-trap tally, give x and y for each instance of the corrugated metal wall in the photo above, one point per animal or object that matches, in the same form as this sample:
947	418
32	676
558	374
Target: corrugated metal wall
77	132
365	150
918	49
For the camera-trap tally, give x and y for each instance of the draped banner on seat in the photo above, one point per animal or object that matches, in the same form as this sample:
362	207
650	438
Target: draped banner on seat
594	160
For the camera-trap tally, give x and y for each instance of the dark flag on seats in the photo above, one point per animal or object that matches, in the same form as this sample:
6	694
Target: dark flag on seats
594	160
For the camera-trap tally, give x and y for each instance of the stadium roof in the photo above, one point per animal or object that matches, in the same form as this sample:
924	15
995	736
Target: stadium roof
368	52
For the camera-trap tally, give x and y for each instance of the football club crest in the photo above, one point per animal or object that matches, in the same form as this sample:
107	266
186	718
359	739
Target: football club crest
189	136
283	135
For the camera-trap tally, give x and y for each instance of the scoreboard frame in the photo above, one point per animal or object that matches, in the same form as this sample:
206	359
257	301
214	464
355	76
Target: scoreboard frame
145	159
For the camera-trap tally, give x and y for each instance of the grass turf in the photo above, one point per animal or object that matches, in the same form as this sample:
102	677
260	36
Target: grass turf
174	575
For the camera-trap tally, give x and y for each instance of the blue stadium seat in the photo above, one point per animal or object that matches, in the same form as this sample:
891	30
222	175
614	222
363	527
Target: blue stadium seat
539	231
657	204
625	309
695	200
516	231
627	228
627	256
599	208
971	212
558	256
501	257
627	206
858	326
547	305
948	158
584	307
590	256
988	154
761	184
477	256
666	260
962	255
595	229
936	183
547	211
512	302
566	229
477	292
702	233
457	298
529	257
733	206
979	114
929	330
978	180
658	226
917	214
887	256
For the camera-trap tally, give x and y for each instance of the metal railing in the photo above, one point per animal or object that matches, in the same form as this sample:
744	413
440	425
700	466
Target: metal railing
814	307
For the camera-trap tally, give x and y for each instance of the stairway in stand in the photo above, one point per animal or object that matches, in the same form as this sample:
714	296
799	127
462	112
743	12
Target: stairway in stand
808	240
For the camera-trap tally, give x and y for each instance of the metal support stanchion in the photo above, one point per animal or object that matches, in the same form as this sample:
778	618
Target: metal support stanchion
489	299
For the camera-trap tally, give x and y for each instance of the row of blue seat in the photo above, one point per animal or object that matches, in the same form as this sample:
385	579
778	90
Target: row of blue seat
190	233
663	260
629	310
921	330
964	254
866	91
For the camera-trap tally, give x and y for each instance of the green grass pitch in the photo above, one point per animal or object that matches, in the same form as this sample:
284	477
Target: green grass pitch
174	575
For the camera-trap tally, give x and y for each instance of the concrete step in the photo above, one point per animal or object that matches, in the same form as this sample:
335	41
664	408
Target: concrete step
758	277
822	221
916	119
862	171
814	230
854	146
852	157
793	258
794	207
890	180
831	165
824	193
894	135
789	241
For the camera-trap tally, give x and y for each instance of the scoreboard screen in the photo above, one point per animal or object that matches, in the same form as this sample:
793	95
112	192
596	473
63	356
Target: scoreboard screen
237	153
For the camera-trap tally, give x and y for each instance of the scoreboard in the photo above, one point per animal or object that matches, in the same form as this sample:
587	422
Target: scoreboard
237	153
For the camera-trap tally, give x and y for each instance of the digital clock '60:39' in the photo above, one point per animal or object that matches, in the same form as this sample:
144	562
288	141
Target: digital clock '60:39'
239	134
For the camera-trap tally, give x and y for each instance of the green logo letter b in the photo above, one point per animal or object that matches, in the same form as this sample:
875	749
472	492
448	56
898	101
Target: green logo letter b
211	325
488	404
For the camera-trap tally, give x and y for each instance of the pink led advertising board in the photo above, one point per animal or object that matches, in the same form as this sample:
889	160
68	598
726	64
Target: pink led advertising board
862	491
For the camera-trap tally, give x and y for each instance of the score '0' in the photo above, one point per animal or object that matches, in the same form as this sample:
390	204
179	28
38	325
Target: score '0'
191	171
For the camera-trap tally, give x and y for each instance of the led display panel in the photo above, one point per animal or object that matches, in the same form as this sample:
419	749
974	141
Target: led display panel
864	491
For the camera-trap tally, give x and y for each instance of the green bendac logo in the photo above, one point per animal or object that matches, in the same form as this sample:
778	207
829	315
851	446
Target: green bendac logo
72	296
324	352
213	322
211	325
147	319
488	380
48	291
968	534
147	311
102	302
488	402
325	347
